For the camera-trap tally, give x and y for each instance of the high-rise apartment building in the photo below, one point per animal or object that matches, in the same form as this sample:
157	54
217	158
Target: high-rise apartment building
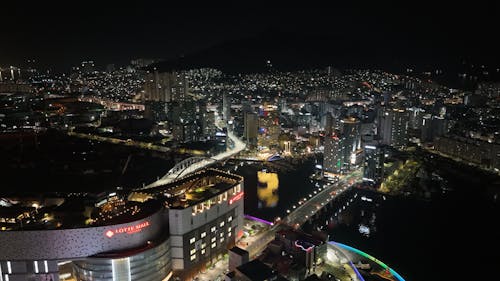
373	168
166	87
250	133
393	127
333	156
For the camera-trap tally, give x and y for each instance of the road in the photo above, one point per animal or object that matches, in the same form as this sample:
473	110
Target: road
133	143
303	212
237	147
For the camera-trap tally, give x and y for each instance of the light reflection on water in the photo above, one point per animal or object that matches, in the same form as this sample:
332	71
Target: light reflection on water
267	189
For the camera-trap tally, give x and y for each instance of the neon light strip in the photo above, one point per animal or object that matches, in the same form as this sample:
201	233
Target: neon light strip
236	198
356	271
257	219
298	245
365	255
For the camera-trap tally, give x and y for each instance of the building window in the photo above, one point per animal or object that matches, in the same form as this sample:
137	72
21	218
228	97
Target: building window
213	239
222	234
203	245
193	257
192	240
192	251
229	234
221	240
230	219
213	245
221	224
229	229
203	251
203	234
213	229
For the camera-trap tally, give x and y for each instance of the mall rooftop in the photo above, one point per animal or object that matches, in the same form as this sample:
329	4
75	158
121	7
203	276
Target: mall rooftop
193	189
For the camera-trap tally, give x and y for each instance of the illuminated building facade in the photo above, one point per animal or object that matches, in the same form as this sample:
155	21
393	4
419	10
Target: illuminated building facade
351	131
205	217
134	250
333	160
394	126
163	232
269	127
373	168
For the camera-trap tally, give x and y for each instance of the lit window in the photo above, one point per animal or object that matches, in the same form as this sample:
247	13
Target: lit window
193	257
203	245
221	224
221	234
191	241
213	228
203	234
192	251
213	245
203	251
230	219
229	229
35	263
221	240
213	239
229	234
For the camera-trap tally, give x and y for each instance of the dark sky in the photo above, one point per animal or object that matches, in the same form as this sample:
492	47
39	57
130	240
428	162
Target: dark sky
59	36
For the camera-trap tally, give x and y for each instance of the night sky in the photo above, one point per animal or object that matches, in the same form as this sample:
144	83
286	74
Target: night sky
60	36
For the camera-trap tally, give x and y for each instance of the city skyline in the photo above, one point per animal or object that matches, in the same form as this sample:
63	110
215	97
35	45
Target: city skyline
173	141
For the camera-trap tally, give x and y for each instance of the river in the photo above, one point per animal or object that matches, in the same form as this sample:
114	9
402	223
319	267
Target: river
451	235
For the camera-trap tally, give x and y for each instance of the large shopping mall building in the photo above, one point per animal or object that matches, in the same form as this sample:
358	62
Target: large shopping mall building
155	234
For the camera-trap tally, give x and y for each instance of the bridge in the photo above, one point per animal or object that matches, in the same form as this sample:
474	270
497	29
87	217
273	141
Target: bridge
193	164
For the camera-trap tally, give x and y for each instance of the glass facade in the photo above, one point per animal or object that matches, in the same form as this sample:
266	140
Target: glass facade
152	264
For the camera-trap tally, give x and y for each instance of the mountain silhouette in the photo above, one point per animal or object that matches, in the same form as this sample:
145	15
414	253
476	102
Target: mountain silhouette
293	51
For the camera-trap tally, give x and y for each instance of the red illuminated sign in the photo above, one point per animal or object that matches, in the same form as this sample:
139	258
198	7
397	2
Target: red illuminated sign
236	198
127	229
